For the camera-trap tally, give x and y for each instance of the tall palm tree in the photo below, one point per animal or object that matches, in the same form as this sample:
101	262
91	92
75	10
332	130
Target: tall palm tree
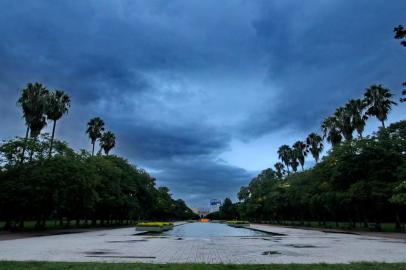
379	102
294	161
300	151
33	103
107	142
285	153
403	99
58	104
314	145
343	121
331	131
358	119
95	127
280	169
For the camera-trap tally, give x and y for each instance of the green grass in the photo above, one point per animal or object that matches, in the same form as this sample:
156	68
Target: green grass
54	225
140	266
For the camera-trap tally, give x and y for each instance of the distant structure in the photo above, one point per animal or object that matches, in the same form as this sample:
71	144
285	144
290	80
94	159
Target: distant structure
202	212
215	205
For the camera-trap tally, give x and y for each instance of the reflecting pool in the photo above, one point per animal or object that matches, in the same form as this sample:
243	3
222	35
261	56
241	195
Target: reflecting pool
207	229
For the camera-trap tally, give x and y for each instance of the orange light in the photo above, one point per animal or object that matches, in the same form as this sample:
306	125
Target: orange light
204	220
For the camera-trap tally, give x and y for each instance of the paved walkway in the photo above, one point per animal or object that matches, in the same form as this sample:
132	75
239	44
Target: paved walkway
124	245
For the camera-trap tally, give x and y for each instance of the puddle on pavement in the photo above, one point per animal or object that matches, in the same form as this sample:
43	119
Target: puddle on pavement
268	253
301	246
121	257
128	241
99	252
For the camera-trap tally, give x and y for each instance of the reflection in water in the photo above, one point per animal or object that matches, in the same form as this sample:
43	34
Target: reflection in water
201	229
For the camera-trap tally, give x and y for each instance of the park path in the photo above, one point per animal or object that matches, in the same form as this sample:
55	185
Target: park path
125	245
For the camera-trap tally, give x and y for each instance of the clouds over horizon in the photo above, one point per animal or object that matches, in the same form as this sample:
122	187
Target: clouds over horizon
189	87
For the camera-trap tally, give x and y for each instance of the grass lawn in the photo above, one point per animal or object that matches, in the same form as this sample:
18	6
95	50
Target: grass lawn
128	266
54	225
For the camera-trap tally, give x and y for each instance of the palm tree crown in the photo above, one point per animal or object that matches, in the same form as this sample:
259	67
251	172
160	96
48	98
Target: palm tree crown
331	131
356	107
280	169
379	102
285	153
58	104
107	142
315	145
300	151
343	121
95	127
33	102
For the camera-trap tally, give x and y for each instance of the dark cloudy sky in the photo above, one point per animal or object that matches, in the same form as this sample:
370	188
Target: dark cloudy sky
200	93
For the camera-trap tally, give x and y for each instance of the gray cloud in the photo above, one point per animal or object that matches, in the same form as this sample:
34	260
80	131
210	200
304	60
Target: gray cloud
178	81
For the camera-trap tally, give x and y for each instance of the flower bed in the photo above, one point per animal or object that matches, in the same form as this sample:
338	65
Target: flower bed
238	223
153	226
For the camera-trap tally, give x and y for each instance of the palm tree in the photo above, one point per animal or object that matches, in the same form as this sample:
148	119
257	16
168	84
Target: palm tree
314	145
280	169
358	119
95	127
331	131
343	121
33	102
293	161
403	99
379	102
300	151
284	153
58	104
107	142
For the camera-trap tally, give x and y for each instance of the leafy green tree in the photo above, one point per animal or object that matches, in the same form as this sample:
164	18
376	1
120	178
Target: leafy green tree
95	128
285	154
107	141
244	193
228	210
399	199
379	102
300	151
403	99
331	131
57	105
314	145
400	33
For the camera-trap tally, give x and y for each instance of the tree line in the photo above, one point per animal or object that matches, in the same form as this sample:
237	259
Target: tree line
361	179
42	178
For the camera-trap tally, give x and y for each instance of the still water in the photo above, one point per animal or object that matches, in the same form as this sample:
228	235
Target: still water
206	229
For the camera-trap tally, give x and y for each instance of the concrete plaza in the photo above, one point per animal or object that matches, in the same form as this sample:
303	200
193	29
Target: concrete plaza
125	245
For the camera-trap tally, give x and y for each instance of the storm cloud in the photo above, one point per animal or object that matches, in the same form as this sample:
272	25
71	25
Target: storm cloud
200	93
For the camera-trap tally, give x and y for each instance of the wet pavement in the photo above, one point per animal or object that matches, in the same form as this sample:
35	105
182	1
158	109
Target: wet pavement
184	245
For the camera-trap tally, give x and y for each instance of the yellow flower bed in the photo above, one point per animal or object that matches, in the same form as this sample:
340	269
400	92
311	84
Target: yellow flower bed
154	224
